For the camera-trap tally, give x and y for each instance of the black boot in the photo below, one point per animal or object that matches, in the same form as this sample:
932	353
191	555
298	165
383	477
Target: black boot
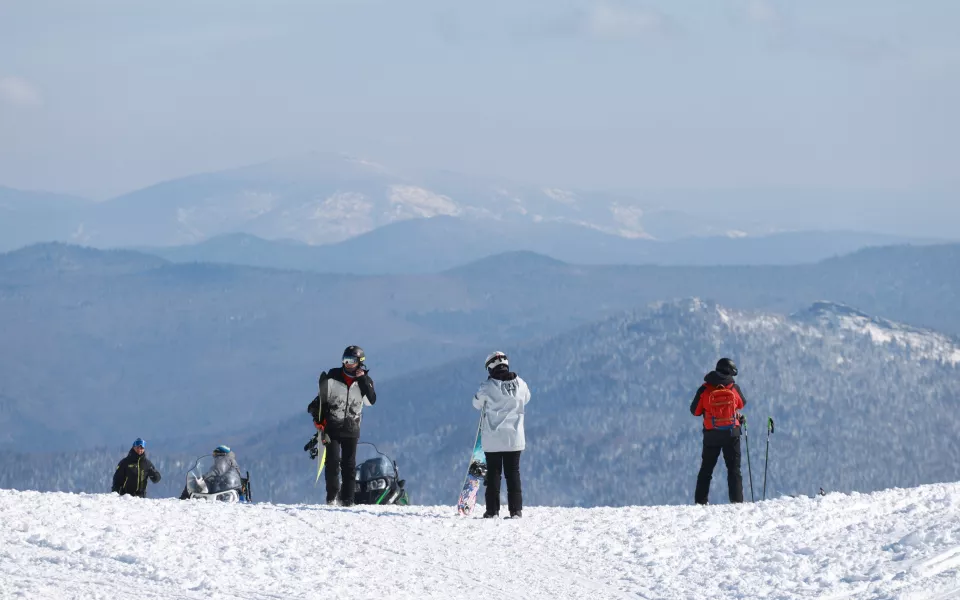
490	515
516	514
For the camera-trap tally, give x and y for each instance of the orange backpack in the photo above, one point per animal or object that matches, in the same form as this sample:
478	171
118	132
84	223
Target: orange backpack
720	407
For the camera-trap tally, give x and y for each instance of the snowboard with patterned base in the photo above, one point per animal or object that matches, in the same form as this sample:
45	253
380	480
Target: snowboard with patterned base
476	475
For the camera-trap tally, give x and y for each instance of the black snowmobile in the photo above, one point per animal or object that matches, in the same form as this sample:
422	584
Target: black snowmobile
378	481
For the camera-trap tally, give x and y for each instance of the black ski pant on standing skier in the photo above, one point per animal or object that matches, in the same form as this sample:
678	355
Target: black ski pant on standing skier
716	443
508	465
341	457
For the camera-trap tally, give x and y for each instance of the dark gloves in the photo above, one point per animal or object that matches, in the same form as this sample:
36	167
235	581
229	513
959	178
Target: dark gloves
325	438
367	389
155	476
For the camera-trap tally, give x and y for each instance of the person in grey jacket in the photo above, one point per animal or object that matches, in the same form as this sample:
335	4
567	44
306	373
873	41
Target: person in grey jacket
502	398
337	411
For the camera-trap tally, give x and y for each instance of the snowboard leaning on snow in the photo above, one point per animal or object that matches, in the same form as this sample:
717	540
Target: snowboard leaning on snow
476	475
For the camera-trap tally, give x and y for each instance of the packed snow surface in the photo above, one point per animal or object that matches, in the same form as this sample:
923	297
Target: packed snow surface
902	543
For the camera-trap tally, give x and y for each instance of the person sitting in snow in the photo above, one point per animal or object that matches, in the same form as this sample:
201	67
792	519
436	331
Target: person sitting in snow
133	470
224	475
719	401
502	398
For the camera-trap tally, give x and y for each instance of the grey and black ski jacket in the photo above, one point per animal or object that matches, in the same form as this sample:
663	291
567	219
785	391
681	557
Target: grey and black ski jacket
339	404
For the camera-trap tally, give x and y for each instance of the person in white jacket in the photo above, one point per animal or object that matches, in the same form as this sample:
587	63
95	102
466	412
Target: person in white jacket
502	398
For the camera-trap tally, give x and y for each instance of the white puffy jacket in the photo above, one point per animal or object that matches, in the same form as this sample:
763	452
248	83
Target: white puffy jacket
503	402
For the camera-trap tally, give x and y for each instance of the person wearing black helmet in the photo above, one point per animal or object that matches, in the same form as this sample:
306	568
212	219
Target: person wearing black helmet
719	401
336	411
132	472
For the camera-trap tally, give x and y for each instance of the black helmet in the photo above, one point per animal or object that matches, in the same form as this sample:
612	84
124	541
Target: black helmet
353	355
726	366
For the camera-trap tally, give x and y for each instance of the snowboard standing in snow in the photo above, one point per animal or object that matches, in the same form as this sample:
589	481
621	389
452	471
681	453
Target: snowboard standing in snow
476	476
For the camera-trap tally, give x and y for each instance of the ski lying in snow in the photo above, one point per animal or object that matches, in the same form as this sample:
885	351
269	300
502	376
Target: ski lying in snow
476	475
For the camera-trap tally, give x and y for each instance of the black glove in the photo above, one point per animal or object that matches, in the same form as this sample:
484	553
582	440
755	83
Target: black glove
325	438
742	418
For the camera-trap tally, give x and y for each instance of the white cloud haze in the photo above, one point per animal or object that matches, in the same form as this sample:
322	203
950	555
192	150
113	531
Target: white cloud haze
18	92
590	93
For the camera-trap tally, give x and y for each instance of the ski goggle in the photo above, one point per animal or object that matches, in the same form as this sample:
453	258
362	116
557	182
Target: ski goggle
352	360
221	450
139	443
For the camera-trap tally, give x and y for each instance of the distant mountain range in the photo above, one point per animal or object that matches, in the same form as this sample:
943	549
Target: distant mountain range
442	242
609	421
31	217
860	403
112	342
326	198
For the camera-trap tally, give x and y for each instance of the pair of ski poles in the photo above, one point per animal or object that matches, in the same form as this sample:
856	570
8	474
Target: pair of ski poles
766	458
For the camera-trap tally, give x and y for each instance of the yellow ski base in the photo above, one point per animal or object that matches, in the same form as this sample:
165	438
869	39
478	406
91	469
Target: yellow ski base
323	458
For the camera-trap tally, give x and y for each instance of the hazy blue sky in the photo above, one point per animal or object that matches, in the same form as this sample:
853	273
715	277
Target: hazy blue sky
100	97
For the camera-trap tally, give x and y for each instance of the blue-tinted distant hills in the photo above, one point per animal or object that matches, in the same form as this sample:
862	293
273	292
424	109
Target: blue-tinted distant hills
440	243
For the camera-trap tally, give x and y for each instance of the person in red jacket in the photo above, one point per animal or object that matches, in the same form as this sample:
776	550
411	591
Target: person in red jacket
719	401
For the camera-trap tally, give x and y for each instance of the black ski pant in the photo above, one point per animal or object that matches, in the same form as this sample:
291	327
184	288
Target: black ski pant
730	448
341	458
508	465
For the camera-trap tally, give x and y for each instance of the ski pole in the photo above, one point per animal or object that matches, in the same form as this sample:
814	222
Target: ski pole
766	458
746	439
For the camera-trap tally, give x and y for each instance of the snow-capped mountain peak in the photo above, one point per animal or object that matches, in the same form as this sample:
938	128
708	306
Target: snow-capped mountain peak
835	324
852	323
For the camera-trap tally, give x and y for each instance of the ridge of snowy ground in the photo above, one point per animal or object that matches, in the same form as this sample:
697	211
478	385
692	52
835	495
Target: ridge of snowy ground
900	543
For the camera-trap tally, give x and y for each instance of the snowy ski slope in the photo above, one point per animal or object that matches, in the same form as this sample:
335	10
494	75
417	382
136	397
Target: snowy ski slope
902	543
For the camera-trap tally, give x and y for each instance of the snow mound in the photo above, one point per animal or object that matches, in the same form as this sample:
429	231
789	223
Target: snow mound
902	543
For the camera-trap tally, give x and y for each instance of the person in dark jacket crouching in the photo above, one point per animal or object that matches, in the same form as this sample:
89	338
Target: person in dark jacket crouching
336	411
719	401
132	472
